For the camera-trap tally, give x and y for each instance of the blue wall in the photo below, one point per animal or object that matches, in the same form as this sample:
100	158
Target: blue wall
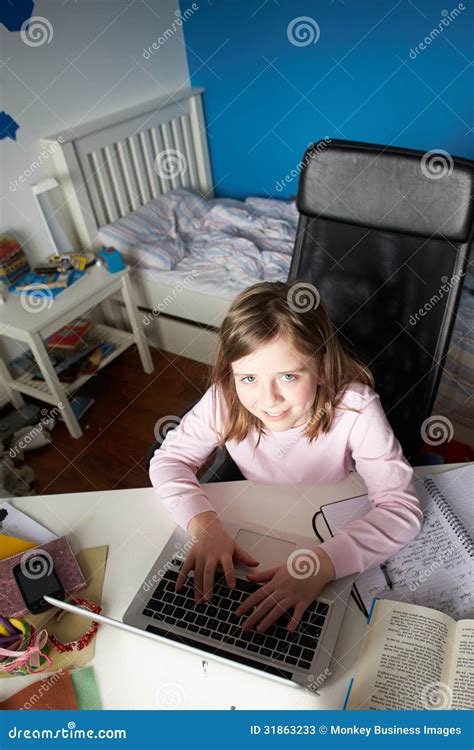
267	98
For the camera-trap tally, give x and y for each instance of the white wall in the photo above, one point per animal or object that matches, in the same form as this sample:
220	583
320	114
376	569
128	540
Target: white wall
92	65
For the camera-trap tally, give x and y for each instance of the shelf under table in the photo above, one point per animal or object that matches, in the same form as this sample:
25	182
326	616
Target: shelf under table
97	333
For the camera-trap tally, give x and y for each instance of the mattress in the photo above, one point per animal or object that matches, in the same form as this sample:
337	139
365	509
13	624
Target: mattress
218	246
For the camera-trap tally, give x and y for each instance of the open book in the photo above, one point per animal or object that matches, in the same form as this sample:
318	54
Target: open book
414	658
436	568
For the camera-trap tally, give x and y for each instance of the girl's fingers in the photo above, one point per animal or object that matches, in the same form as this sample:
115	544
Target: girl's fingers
208	579
264	607
251	601
278	610
298	613
228	568
241	554
262	575
198	582
185	568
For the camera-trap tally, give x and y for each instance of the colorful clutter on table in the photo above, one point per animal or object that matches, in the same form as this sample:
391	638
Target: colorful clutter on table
53	692
79	643
61	691
37	285
23	648
10	545
13	261
59	554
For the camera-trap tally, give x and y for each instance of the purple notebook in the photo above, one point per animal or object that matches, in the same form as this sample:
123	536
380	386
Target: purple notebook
66	566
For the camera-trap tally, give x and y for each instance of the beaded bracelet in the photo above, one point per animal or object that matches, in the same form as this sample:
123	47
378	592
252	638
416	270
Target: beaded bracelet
85	639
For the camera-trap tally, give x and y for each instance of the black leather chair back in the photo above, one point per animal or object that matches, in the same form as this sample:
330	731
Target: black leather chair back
383	234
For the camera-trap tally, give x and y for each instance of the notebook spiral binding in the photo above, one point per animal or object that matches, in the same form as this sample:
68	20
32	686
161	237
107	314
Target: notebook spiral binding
452	519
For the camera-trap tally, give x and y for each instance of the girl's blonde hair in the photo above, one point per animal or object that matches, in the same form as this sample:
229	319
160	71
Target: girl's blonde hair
293	310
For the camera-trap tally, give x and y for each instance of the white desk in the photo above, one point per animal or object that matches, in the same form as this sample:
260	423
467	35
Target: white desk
135	526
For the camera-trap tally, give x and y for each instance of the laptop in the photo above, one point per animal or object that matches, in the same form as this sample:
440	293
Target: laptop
160	612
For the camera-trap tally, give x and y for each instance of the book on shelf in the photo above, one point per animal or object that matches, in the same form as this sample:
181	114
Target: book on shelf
70	335
68	364
413	658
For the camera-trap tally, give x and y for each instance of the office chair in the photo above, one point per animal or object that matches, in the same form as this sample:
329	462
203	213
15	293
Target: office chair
381	229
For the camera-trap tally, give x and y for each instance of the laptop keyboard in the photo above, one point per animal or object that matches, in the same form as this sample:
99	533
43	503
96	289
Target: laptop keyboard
216	619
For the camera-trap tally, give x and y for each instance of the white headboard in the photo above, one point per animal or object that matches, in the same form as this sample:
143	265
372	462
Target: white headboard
117	163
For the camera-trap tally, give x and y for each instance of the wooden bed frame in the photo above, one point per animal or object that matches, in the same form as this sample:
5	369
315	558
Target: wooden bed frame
106	170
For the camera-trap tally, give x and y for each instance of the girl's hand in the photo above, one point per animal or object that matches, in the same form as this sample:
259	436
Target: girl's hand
212	545
294	585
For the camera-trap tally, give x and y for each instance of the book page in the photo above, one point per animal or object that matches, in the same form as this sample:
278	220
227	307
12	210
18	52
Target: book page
404	659
461	677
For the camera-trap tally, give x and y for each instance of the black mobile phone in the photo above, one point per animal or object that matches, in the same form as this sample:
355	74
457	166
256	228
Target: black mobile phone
36	577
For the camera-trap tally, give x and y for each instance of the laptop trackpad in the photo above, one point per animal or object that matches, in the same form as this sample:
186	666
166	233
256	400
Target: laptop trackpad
268	550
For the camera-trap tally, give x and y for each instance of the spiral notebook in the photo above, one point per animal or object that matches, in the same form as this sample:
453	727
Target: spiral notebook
436	568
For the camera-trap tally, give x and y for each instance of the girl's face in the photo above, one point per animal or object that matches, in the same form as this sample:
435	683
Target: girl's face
277	384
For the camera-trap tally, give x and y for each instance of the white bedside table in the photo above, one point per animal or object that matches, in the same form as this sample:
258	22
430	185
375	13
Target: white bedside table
31	321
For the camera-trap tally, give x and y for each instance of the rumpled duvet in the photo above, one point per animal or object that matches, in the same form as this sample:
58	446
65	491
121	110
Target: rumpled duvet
223	241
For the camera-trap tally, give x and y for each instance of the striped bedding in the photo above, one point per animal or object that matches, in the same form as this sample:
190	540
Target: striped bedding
227	244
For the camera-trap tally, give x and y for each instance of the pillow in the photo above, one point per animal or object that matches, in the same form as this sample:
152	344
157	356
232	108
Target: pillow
156	234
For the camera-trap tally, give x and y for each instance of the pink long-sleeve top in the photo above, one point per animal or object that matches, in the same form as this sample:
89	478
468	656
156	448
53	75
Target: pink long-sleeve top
360	440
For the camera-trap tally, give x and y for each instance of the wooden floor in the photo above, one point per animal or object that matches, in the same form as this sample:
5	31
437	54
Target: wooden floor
119	427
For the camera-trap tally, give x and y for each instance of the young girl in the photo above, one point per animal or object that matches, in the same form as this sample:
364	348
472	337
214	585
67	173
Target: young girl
291	407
